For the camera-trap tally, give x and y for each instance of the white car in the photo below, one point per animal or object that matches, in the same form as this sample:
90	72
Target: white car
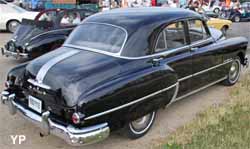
216	8
11	16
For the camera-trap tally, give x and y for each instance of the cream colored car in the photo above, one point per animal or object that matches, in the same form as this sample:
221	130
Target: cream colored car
220	24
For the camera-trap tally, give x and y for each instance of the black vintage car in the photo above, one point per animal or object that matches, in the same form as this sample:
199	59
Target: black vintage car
117	68
47	32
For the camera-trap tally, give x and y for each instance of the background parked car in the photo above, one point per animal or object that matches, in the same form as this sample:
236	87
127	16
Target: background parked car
218	23
237	15
215	7
47	32
11	16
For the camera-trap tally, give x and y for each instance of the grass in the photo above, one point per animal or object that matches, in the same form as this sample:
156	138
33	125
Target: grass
222	127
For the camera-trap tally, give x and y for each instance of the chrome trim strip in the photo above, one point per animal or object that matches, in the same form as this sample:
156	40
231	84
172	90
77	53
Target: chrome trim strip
92	50
101	51
206	70
202	88
175	93
131	103
47	66
185	78
165	53
35	83
50	32
126	32
118	55
197	43
214	67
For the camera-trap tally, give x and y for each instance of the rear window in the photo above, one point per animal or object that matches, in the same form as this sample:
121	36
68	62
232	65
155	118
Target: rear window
103	37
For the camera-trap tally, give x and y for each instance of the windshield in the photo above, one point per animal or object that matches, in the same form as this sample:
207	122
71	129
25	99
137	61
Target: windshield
102	37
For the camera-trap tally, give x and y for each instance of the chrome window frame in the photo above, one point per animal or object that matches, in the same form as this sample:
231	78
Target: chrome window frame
98	50
204	27
165	39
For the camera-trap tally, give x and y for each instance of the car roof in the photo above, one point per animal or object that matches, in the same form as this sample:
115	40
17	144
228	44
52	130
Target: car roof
131	18
141	24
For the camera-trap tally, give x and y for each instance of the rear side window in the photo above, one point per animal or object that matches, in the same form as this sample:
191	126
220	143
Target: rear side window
173	36
197	31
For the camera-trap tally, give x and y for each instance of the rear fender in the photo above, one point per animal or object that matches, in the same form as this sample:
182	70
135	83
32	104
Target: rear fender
147	90
232	47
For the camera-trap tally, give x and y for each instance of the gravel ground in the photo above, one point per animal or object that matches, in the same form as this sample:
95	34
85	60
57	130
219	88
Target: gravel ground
167	119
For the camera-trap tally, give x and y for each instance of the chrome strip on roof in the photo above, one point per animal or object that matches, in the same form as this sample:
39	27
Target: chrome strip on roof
46	67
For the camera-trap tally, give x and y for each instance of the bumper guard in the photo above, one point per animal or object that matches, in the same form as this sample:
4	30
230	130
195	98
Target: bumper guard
16	55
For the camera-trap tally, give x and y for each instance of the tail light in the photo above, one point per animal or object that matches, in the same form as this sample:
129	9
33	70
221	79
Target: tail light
77	118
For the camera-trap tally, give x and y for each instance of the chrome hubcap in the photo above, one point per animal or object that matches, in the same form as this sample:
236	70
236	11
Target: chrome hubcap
142	124
234	71
13	26
237	19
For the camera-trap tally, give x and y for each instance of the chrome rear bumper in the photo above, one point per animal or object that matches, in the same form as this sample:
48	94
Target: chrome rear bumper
16	55
72	135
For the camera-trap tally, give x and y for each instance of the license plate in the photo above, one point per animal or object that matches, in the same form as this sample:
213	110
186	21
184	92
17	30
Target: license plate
35	104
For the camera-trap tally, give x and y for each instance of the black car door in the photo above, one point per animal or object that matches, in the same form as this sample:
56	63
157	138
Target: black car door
174	51
206	59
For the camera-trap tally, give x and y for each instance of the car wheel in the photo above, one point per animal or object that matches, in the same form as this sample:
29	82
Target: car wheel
12	26
234	72
224	30
140	127
237	19
217	10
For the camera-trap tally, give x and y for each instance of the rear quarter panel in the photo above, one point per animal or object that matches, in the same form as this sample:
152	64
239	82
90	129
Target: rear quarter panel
138	80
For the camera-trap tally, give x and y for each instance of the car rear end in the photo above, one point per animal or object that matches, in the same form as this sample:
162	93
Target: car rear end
44	107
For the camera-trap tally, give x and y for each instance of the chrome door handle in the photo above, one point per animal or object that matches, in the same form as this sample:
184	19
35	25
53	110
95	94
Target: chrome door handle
194	49
156	61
